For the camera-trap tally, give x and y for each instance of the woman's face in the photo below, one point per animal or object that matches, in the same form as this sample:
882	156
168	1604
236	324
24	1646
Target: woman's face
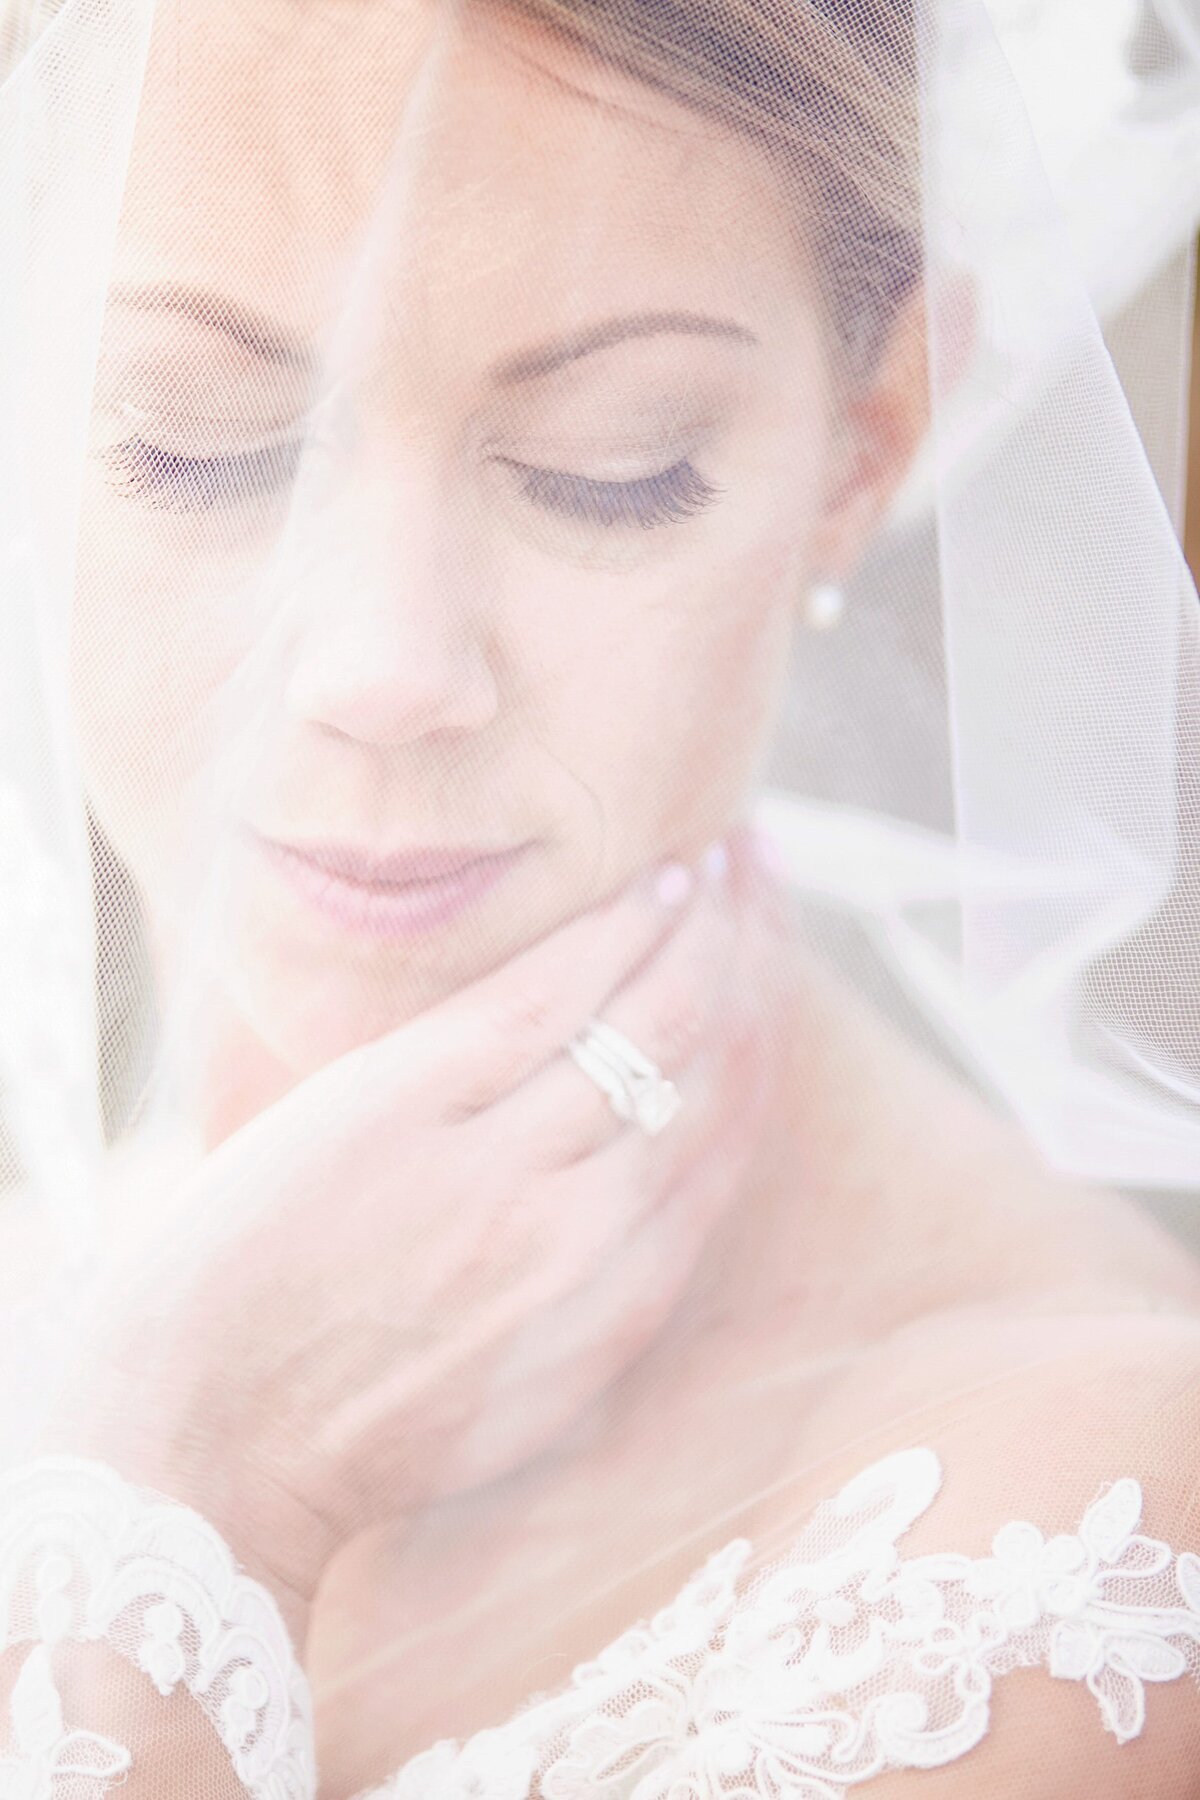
527	592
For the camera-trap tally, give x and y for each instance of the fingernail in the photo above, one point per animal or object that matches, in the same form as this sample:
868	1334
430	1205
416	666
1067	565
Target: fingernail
674	884
768	854
715	863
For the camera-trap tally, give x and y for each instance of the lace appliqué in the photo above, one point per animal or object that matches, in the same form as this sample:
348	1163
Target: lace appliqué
839	1662
843	1660
84	1557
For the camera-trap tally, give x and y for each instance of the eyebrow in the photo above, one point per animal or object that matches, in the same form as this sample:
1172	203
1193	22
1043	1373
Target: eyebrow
254	332
249	329
547	359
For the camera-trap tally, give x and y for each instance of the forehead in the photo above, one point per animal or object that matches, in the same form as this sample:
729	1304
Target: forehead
466	155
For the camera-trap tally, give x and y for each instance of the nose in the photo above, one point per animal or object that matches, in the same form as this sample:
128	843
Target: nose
391	642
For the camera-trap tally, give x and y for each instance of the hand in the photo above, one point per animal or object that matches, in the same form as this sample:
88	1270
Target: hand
408	1275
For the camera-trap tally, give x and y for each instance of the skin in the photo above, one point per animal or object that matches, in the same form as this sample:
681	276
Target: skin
869	1290
480	668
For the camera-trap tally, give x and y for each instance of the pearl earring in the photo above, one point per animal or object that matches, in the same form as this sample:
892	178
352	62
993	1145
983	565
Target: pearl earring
825	605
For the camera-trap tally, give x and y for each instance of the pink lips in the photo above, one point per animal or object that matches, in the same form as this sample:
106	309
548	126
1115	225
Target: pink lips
397	896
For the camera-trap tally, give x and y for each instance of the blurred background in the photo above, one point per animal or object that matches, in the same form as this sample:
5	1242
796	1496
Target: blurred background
1112	89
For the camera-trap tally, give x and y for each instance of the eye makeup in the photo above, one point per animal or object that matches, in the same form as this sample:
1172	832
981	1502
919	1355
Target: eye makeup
668	498
146	471
620	451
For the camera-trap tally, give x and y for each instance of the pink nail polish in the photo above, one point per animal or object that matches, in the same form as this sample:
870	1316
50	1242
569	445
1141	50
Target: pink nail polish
674	884
715	863
768	854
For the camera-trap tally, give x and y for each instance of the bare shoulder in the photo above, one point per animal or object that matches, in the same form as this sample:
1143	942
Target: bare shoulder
1053	1470
918	1196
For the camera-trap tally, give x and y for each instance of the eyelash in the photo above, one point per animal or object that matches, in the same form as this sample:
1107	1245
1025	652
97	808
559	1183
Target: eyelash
668	498
199	483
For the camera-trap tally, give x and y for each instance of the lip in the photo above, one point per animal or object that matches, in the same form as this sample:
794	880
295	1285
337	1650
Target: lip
396	896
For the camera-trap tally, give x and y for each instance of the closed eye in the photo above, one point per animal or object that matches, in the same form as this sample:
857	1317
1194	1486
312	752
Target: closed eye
667	498
147	472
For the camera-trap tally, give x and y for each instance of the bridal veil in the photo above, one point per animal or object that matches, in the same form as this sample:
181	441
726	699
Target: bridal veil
453	454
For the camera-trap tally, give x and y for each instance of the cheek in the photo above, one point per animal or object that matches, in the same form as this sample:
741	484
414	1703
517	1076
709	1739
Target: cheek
146	659
665	692
718	688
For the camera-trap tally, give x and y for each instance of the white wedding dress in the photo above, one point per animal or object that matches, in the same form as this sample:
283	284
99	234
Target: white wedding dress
836	1663
1016	671
805	1675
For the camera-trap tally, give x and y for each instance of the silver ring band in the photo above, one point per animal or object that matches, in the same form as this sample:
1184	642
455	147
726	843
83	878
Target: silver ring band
635	1087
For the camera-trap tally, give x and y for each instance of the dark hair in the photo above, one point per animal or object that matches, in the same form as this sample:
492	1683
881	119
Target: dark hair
828	87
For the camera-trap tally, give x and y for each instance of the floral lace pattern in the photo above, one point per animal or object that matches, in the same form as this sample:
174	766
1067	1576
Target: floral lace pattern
805	1678
843	1660
87	1558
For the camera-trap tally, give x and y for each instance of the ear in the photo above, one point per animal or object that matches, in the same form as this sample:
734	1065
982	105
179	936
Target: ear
878	433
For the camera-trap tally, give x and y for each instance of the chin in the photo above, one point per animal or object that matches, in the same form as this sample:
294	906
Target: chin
307	1010
311	992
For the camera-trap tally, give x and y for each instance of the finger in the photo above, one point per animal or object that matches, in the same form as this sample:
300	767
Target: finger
485	1039
684	1182
588	1213
718	981
665	1010
758	872
604	1311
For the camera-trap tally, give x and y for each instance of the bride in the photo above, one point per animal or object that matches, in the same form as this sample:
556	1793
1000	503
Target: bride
513	1203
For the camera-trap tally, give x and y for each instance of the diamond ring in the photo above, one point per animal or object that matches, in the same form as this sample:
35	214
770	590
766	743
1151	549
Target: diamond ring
635	1087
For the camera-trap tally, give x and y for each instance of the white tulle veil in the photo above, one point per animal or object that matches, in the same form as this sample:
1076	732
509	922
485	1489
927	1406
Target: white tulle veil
980	784
1025	863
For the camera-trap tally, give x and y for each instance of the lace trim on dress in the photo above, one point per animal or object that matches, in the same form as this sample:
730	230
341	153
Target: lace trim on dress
837	1663
842	1661
85	1557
